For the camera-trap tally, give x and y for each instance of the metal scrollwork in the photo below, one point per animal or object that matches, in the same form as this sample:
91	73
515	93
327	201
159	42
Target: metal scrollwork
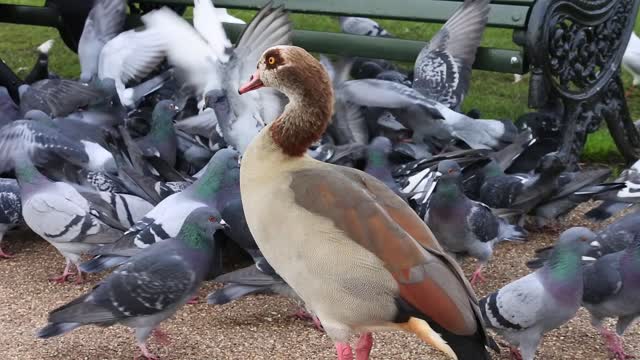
575	48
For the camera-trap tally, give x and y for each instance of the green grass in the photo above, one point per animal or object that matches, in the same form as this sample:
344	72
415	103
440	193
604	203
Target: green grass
492	93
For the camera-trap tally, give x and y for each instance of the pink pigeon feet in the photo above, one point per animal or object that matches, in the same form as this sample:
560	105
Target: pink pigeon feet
161	337
65	275
363	348
477	276
515	353
615	345
146	354
194	300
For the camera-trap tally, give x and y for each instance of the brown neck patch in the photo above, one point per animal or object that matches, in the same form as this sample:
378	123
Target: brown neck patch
306	118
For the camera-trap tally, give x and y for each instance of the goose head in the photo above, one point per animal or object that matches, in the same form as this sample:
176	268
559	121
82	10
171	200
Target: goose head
302	78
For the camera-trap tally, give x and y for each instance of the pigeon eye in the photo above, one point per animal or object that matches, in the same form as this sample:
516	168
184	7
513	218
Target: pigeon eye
271	60
450	171
212	219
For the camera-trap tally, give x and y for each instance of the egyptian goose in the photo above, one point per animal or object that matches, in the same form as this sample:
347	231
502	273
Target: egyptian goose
355	252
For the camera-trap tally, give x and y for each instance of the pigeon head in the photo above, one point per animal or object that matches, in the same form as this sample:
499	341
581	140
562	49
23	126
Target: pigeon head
566	259
551	164
449	169
39	116
578	239
162	119
378	151
213	179
199	227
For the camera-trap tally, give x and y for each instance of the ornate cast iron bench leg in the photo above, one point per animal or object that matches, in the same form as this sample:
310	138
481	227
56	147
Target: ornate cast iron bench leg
575	48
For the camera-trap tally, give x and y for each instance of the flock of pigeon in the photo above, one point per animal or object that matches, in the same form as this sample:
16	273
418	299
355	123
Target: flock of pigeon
137	164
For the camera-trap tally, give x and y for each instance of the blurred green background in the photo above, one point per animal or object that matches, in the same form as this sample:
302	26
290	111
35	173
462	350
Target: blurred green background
495	95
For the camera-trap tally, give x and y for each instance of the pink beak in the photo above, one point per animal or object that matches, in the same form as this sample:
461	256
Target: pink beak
253	84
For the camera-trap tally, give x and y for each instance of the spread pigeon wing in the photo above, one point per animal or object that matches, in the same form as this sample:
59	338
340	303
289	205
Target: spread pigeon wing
388	94
43	144
209	25
442	70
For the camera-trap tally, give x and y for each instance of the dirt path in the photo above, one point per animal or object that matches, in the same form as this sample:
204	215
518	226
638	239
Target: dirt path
254	328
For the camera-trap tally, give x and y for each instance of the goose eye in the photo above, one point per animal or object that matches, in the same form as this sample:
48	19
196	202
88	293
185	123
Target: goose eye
271	60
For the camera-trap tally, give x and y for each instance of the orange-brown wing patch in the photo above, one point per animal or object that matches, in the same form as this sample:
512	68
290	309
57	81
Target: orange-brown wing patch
425	279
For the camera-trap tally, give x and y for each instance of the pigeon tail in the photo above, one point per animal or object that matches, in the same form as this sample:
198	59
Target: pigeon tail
55	329
508	232
231	292
605	210
101	263
45	47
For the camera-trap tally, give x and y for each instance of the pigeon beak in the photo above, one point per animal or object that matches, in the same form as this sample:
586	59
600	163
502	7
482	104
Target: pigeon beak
595	244
223	223
253	84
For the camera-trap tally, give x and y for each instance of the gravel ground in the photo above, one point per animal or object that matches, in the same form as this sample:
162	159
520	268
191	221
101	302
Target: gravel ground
258	327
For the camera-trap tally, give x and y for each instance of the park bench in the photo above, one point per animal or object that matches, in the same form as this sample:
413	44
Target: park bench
572	48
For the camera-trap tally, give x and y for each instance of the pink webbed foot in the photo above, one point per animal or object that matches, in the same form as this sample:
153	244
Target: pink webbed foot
161	337
515	353
344	351
477	276
146	354
363	348
615	345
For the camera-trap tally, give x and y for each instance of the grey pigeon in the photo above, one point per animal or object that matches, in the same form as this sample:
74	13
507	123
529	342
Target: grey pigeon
615	237
442	71
90	137
616	201
612	289
10	209
149	288
430	120
631	60
361	26
46	146
57	97
9	111
462	225
161	140
165	220
378	163
259	278
105	21
131	56
525	309
206	62
58	213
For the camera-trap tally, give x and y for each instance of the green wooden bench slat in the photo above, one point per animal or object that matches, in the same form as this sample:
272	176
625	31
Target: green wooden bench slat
490	59
505	16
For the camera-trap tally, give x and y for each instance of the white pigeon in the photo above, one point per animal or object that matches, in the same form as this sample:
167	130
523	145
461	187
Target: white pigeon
631	59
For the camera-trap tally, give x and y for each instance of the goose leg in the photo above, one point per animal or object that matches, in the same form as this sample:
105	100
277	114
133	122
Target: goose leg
363	348
344	351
